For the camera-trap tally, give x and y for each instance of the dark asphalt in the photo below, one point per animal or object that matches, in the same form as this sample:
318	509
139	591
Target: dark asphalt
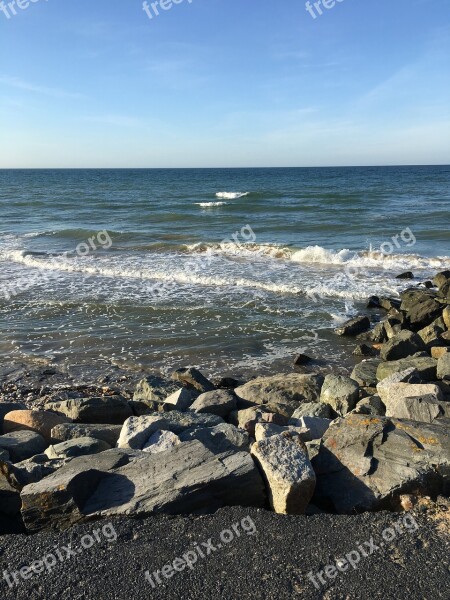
273	563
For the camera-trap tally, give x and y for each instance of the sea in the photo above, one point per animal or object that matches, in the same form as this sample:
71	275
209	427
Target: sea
233	271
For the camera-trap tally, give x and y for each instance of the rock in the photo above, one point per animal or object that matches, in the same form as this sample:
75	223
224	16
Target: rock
415	402
365	350
56	502
446	316
77	447
315	425
70	431
354	326
113	410
227	383
180	400
267	430
370	406
7	407
219	438
366	372
248	418
217	402
444	292
4	455
153	390
368	463
39	421
445	338
438	351
290	479
137	430
422	309
302	359
392	326
340	392
379	334
31	470
160	441
22	444
430	334
443	367
193	379
410	375
441	278
426	367
9	508
282	393
407	275
189	478
403	344
313	409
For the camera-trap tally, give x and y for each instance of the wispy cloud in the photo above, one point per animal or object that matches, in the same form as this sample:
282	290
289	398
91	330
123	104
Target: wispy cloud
20	84
114	120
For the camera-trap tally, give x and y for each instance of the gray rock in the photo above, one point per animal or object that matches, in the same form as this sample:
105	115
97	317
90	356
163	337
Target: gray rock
267	430
392	326
137	430
365	350
354	326
9	502
180	400
217	402
406	275
4	455
426	368
71	431
403	344
313	409
378	334
282	393
248	418
446	317
370	406
77	447
219	438
22	444
193	379
106	409
443	367
441	278
153	390
430	334
340	392
31	470
186	479
368	463
315	425
365	373
410	375
290	479
422	309
161	441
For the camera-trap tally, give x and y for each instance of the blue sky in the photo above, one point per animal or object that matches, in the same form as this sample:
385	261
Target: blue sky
96	83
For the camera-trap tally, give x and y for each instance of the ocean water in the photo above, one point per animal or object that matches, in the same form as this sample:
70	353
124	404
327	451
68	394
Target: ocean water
231	270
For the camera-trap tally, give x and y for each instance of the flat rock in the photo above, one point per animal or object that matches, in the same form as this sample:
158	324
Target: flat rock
39	421
193	379
219	438
443	367
290	479
403	344
22	444
426	368
137	430
76	447
354	326
217	402
106	409
70	431
368	463
340	392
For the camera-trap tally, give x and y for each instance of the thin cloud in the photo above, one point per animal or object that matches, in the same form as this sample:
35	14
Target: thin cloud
20	84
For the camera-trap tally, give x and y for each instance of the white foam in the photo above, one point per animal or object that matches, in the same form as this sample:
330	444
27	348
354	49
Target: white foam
231	195
210	204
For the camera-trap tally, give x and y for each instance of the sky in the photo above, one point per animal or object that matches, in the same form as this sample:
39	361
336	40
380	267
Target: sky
224	83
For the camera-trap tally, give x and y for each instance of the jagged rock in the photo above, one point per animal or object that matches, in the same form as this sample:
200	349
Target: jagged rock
193	379
430	334
153	390
443	367
422	309
56	501
441	278
219	438
248	418
415	402
77	447
403	344
392	327
180	400
113	410
315	425
217	402
354	326
160	441
22	444
371	405
39	421
409	375
267	430
365	350
186	479
368	463
426	367
137	430
7	407
282	393
378	334
313	409
71	431
290	479
340	392
31	470
365	373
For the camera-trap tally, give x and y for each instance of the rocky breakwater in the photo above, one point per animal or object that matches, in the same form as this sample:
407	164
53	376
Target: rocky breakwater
378	438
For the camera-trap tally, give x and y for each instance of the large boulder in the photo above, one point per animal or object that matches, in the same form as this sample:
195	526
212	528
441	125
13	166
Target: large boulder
365	373
430	334
39	421
217	402
219	438
354	326
421	308
137	430
185	479
316	426
180	400
425	366
282	393
313	409
71	431
403	344
290	479
340	392
443	367
113	410
414	402
193	379
441	278
368	463
161	441
31	470
153	390
7	407
77	447
22	444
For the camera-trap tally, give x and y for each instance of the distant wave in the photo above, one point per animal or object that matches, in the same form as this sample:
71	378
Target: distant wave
231	195
210	204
